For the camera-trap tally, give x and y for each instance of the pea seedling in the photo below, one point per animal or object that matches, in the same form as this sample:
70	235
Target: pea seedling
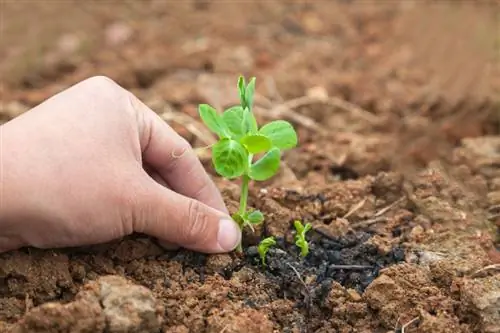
300	237
240	140
264	246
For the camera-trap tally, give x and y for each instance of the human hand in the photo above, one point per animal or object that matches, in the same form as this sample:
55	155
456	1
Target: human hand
73	172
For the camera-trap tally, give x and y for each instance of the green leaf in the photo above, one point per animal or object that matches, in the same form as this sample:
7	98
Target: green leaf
249	93
250	122
256	143
298	226
241	90
212	120
267	242
304	247
307	227
234	120
281	133
230	158
267	166
264	246
255	217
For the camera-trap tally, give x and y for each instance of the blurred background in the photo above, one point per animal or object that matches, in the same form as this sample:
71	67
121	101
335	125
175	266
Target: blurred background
419	73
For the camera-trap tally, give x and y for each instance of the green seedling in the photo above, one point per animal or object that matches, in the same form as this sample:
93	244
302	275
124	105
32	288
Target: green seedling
241	141
264	246
300	237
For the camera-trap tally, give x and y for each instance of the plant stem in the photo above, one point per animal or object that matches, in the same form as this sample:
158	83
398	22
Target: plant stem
243	204
244	194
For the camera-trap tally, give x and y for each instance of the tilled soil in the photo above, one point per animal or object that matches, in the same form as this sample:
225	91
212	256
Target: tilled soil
397	170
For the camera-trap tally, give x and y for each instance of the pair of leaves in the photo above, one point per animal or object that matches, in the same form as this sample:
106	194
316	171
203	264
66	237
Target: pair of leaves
230	156
231	160
238	123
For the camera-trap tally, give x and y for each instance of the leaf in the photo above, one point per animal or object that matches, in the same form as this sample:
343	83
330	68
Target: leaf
267	242
256	143
250	122
307	228
230	158
281	133
249	93
242	91
267	166
233	118
298	226
264	246
212	120
255	217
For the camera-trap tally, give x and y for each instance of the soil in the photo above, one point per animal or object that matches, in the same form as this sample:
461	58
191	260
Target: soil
398	166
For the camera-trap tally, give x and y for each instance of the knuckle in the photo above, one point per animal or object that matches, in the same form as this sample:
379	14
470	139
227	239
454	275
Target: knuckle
196	229
132	209
181	151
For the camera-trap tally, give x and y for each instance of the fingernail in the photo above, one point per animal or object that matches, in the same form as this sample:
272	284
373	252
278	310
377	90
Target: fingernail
229	235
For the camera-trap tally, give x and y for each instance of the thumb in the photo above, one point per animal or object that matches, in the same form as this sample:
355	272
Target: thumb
174	218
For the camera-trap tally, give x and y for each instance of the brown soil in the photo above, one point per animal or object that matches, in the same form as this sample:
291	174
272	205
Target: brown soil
398	170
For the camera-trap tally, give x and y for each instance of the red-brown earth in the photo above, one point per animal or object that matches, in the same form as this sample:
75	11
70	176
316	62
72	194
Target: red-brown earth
397	169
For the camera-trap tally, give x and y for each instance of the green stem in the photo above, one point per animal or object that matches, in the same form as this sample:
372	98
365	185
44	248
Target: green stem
243	200
243	205
244	194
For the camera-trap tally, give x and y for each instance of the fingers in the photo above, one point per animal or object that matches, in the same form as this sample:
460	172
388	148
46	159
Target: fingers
9	244
156	177
174	159
177	219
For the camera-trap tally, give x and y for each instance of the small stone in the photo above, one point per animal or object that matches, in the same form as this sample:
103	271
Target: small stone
354	295
244	275
218	262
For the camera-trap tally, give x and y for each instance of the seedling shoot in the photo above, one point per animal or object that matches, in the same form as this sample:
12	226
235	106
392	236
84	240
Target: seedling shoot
264	246
240	141
300	237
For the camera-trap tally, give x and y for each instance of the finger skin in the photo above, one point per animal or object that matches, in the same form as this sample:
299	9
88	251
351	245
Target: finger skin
174	159
177	219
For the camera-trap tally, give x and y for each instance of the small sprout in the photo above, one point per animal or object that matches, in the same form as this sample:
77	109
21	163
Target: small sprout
300	237
264	246
239	139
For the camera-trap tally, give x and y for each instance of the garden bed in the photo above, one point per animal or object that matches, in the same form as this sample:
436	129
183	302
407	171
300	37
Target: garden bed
401	186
